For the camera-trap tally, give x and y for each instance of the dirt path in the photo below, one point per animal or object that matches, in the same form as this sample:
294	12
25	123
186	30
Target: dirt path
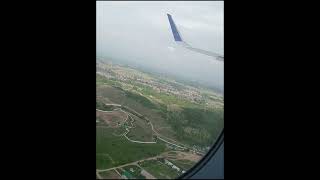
117	172
98	175
141	142
128	127
132	163
179	155
153	129
161	137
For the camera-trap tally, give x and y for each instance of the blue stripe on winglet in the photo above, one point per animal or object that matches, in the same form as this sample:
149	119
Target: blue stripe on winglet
174	29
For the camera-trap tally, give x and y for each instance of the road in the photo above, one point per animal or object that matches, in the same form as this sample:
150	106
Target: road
110	104
107	111
129	127
142	142
132	163
117	172
98	175
143	171
170	142
161	137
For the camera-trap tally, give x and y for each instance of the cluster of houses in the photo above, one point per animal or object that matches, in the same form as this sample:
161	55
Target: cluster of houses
191	94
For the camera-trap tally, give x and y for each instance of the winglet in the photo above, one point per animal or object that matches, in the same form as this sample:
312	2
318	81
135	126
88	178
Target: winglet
175	32
178	40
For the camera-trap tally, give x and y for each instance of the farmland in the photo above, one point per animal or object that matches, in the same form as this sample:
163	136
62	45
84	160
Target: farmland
109	175
120	150
141	118
159	170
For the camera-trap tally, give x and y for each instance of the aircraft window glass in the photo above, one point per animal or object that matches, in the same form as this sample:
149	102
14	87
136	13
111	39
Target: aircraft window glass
159	83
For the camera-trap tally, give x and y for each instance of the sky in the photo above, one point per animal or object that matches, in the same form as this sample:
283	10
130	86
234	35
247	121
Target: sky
139	32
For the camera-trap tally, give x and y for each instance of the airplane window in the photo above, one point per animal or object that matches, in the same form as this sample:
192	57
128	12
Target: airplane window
159	87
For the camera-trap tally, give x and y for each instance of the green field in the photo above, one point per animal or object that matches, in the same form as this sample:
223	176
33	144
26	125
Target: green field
136	171
109	175
159	170
157	116
196	126
196	123
141	132
192	125
101	106
118	131
121	150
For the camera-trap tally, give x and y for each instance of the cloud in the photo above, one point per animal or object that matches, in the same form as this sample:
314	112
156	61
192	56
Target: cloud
171	48
140	32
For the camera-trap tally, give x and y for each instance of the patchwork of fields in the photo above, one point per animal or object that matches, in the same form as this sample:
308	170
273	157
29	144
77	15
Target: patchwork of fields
138	129
112	151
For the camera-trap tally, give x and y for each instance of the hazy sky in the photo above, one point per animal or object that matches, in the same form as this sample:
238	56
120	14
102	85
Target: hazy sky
140	32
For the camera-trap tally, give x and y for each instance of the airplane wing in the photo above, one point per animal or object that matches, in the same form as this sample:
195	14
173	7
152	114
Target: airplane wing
178	39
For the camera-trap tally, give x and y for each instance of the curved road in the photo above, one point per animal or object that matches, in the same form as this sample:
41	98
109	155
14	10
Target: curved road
159	136
119	105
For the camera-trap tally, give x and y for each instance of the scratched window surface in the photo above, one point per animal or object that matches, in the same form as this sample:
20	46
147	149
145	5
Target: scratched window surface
159	86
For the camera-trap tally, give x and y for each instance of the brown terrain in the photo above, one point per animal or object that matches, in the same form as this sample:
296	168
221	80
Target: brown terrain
112	118
182	155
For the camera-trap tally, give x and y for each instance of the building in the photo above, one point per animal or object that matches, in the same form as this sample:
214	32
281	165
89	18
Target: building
176	168
168	162
171	165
